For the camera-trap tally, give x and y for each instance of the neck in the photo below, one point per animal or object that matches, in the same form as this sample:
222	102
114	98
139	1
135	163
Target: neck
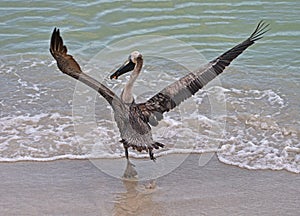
127	95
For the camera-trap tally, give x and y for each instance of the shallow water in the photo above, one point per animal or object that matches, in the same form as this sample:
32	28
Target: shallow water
249	116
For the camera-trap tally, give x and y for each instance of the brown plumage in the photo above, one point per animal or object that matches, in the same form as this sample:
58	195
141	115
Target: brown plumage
133	119
185	87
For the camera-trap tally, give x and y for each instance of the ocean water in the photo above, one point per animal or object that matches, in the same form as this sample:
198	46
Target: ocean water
249	116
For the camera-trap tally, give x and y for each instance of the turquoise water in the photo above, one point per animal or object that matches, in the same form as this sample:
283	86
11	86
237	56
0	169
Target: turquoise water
260	119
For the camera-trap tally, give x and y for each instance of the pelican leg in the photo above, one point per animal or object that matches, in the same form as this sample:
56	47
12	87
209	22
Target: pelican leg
126	153
151	155
125	145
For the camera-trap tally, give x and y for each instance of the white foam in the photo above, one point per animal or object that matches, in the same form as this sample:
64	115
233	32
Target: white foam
253	138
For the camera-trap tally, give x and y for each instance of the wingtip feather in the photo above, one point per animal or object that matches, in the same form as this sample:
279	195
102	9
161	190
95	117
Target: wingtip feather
261	28
56	43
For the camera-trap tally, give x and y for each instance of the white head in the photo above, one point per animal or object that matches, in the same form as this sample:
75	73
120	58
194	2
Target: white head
134	56
129	65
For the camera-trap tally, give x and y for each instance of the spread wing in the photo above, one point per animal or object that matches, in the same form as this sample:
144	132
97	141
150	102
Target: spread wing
68	65
177	92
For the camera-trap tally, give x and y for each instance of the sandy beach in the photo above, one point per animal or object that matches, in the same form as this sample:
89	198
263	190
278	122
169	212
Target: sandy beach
78	187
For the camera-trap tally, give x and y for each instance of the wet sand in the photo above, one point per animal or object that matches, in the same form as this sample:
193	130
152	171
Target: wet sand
78	187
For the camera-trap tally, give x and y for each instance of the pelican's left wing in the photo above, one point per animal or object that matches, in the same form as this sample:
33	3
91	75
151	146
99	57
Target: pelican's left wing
171	96
68	65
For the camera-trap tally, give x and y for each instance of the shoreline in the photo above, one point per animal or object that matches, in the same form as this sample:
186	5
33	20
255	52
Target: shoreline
184	155
79	187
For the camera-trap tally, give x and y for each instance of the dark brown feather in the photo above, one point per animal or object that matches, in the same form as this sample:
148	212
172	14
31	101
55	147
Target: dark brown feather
68	65
65	62
177	92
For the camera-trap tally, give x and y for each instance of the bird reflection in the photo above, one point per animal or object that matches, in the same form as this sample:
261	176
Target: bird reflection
137	198
130	172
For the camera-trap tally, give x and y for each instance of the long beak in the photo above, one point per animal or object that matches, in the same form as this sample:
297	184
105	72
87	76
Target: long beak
126	67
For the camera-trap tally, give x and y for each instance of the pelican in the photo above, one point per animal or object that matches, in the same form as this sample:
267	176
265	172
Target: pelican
134	120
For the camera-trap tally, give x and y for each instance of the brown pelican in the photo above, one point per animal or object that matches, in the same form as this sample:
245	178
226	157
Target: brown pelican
134	120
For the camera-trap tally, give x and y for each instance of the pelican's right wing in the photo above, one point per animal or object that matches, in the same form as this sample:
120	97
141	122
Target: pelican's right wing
67	64
171	96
